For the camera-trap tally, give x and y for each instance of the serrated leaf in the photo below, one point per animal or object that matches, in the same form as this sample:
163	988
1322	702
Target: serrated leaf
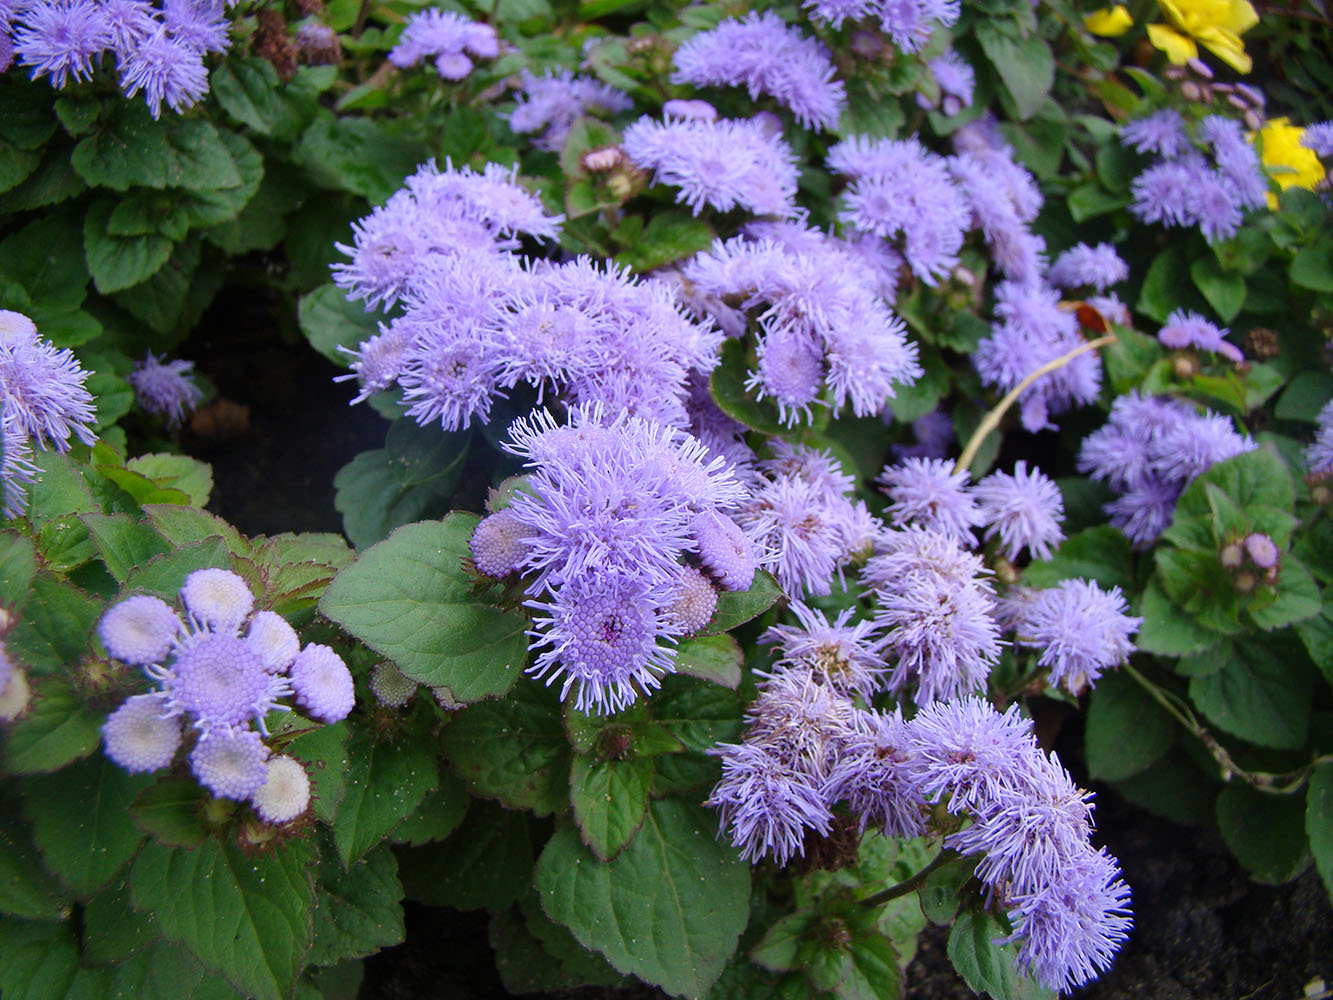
248	918
119	262
485	864
985	966
439	814
57	621
1025	66
385	783
113	929
1266	832
249	91
41	960
165	969
57	729
1126	731
780	947
1296	597
699	714
736	607
1319	821
1166	629
715	658
668	237
330	320
123	542
323	752
610	800
131	149
1257	478
373	502
358	911
18	565
171	812
513	750
26	890
357	155
164	575
86	846
1102	554
669	909
410	599
177	472
181	525
1262	695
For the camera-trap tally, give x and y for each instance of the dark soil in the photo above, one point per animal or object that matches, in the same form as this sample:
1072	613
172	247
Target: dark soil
1202	929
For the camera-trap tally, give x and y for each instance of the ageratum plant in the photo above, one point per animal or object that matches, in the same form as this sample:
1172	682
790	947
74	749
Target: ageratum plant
790	413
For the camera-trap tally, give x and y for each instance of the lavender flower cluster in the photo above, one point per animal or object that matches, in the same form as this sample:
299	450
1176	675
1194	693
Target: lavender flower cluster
43	401
447	38
622	532
1185	187
808	746
908	23
1150	449
478	319
766	56
221	669
552	102
166	391
158	49
826	335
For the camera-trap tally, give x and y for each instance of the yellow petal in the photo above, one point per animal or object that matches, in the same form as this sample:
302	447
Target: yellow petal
1227	47
1241	17
1179	48
1109	21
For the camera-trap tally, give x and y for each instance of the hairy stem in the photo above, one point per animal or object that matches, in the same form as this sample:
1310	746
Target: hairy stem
911	884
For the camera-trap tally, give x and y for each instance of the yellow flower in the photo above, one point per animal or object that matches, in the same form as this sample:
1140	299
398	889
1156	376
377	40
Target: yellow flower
1109	21
1286	160
1215	24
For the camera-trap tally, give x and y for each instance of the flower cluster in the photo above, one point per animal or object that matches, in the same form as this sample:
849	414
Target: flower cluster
825	333
1150	449
1080	629
158	49
1319	454
622	532
807	747
909	23
450	39
219	670
553	101
766	56
1185	329
954	81
165	390
803	519
1185	187
42	400
726	164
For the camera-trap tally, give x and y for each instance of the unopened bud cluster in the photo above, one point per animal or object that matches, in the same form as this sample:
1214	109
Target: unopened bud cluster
1251	561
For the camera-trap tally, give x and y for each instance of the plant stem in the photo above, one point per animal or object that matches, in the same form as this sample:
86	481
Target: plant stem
911	884
992	419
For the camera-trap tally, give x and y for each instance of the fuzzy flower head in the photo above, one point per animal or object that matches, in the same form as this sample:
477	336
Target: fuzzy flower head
551	103
1023	509
1082	265
849	656
1186	329
167	70
1319	454
929	493
1079	629
285	793
61	39
42	386
446	37
767	803
165	390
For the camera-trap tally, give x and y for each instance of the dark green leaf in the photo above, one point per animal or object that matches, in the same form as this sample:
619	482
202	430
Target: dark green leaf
1224	290
57	729
727	385
171	812
41	960
669	909
117	262
1262	695
410	599
357	155
359	911
1306	394
485	864
123	542
668	237
610	800
330	320
425	456
1126	731
984	965
180	525
26	890
1173	787
322	751
1312	267
701	715
248	917
113	929
715	658
57	621
85	846
1025	66
1319	821
1091	200
385	783
736	607
131	149
1296	598
249	91
1166	287
373	502
18	565
439	814
1166	629
1102	554
1266	832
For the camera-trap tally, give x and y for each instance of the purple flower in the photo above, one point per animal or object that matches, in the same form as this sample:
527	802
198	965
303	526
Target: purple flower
969	754
1319	138
62	38
1099	267
767	802
694	601
692	109
499	544
910	23
140	630
41	386
285	792
130	22
848	657
766	56
725	551
1166	192
1236	160
1186	329
1080	629
929	493
198	24
876	776
16	469
1161	132
725	164
552	102
142	734
955	79
1319	454
321	684
165	390
834	12
1024	509
446	37
934	435
167	70
231	765
1002	199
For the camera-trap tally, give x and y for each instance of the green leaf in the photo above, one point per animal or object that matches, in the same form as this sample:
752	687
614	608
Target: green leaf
85	846
439	814
1166	287
330	320
1317	635
181	525
171	812
779	950
25	113
1296	598
1025	66
164	575
1305	395
736	607
176	472
425	456
1126	731
247	917
1091	200
359	911
870	969
57	621
357	155
41	960
16	165
373	502
117	262
1102	554
367	813
1262	695
39	257
486	864
1266	832
715	658
18	565
57	729
1173	787
727	385
410	599
1224	290
123	542
249	91
26	890
1312	267
1166	629
1256	478
1319	821
112	929
165	969
610	800
985	966
513	750
131	149
699	714
669	909
323	752
668	237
